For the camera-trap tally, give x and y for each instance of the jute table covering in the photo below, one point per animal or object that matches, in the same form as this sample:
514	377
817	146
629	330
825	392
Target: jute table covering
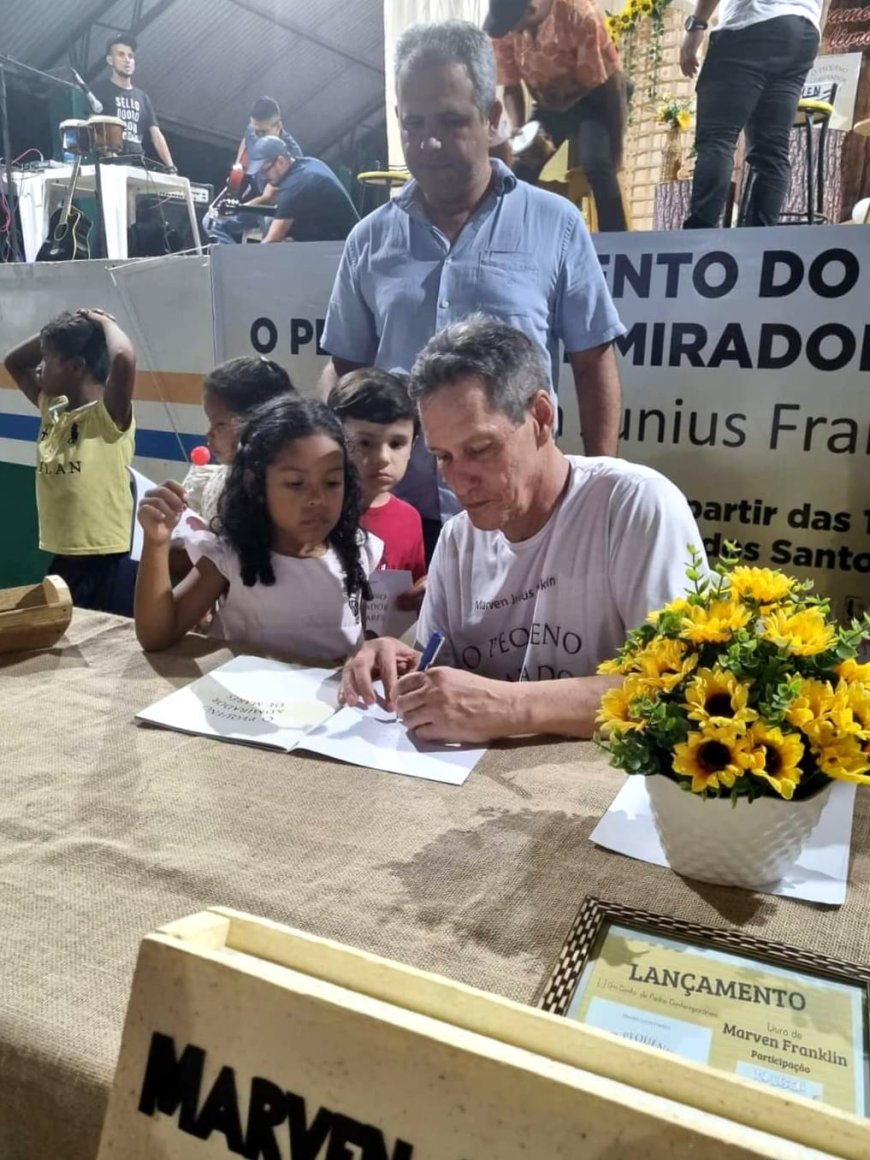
110	829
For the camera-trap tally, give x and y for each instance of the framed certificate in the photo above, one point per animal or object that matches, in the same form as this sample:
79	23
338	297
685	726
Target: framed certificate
761	1010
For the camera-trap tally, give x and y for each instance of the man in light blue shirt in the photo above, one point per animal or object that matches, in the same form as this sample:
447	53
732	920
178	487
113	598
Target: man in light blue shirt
465	236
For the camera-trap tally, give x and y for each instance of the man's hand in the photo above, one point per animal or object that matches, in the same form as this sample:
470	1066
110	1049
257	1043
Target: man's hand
383	658
412	600
445	704
690	51
160	510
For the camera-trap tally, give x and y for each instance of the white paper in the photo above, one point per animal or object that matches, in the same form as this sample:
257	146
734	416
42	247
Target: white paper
286	707
141	484
383	618
375	738
819	875
251	700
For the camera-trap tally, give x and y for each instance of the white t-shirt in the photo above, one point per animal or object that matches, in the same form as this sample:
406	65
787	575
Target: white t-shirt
559	603
306	613
741	13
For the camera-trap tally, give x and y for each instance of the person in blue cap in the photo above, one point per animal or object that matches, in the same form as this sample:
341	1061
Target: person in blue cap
312	204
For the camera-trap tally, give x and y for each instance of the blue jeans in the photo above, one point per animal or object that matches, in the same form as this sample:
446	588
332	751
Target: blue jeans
228	231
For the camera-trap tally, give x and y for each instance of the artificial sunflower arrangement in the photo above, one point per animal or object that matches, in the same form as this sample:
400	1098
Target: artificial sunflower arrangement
744	688
675	113
634	12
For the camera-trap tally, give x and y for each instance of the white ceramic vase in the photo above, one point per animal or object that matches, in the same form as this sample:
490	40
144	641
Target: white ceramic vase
750	844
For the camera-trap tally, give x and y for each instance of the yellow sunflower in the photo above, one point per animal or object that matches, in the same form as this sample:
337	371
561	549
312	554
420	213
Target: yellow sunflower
616	707
850	671
663	663
715	623
850	709
612	668
843	759
680	606
764	585
775	756
717	695
713	758
811	710
684	120
803	634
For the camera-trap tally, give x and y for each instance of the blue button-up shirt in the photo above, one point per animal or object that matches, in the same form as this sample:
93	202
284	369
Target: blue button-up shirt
525	257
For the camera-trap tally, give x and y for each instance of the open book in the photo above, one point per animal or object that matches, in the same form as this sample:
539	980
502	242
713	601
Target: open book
285	707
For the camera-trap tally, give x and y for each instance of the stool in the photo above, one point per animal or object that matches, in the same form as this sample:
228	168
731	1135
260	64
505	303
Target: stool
382	179
562	175
814	108
810	112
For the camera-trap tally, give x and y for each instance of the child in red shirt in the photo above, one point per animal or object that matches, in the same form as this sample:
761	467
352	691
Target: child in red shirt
380	422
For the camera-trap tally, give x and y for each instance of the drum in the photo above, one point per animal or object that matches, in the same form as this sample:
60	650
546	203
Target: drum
532	146
108	135
75	137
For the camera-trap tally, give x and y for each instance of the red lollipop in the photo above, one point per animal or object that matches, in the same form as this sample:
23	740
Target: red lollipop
200	456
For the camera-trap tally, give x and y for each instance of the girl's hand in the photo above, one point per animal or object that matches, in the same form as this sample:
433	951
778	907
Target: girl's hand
160	510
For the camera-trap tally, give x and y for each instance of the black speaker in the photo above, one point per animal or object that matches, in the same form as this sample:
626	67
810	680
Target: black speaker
162	226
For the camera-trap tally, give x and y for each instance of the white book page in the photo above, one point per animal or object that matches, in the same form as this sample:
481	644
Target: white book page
375	738
251	700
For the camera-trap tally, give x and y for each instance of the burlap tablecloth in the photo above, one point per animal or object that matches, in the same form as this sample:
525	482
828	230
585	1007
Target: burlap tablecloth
110	829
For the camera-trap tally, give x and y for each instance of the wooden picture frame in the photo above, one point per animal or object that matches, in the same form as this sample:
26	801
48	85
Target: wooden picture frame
619	970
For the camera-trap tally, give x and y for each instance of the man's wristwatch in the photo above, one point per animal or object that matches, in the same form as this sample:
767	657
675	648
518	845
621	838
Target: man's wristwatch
172	168
693	24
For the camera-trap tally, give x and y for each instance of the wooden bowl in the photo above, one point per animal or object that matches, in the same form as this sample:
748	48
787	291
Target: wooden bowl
34	616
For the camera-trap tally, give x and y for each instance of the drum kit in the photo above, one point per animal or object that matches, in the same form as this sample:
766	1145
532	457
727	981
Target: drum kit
69	228
101	135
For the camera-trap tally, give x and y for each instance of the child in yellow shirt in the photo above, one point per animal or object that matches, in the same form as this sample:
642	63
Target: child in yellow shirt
79	371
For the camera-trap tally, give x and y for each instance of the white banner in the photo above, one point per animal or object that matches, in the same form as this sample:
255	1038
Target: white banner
745	376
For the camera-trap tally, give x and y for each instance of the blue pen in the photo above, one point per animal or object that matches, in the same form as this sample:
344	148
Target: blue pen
431	651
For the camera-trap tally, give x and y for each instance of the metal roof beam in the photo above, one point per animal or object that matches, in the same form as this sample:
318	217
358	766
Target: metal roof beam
83	26
349	125
304	34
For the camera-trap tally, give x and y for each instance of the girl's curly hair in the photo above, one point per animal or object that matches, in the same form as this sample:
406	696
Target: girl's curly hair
243	520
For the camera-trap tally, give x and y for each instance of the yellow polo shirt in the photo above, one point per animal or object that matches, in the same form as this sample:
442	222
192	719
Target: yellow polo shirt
83	492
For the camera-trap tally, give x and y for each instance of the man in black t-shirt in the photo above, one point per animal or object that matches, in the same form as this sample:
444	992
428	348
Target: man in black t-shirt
120	98
312	204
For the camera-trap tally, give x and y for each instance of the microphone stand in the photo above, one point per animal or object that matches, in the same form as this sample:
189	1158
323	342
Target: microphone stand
27	71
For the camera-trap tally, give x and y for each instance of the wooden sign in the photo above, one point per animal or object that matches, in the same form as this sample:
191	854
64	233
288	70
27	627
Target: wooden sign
248	1039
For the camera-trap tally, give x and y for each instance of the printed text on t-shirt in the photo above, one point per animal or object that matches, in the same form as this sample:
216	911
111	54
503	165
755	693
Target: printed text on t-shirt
516	598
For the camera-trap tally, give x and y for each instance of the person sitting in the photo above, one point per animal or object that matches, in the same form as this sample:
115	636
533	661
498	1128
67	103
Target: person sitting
289	567
380	422
79	372
551	561
265	121
312	205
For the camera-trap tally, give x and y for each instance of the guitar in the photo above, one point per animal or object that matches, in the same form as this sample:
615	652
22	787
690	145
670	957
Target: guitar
67	239
238	177
229	207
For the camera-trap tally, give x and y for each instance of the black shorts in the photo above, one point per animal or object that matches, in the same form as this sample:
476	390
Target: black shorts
103	583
